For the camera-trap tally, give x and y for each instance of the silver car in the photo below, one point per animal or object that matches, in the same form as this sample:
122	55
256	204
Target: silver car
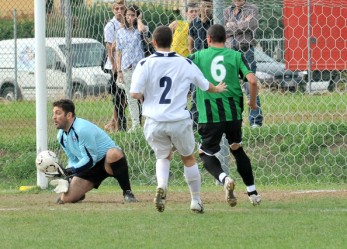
274	74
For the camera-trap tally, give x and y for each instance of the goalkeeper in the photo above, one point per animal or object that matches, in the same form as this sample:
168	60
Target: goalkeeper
93	156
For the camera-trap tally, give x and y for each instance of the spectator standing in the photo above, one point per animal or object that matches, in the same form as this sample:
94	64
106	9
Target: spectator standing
118	119
222	112
199	26
129	52
241	21
162	82
180	30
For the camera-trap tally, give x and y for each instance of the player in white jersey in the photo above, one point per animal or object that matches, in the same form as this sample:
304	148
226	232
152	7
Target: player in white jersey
162	82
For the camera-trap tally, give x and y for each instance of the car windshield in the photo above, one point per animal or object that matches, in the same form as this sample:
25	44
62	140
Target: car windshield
85	54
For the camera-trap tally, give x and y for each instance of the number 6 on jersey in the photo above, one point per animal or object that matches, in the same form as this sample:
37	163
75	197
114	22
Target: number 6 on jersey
218	70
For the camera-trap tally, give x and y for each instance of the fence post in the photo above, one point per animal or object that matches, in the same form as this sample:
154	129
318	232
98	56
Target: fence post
218	7
67	12
309	44
15	52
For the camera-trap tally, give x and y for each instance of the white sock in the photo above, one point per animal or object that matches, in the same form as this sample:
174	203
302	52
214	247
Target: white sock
193	178
222	176
250	188
162	168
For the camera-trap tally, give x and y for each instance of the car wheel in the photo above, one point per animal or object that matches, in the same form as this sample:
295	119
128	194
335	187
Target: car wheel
8	93
334	80
78	91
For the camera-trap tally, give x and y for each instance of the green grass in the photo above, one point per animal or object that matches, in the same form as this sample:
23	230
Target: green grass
283	220
302	140
301	103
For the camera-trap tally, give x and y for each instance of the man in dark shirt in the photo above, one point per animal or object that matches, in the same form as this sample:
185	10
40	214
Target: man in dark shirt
199	26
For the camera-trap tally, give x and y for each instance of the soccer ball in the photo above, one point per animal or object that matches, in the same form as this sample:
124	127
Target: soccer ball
46	161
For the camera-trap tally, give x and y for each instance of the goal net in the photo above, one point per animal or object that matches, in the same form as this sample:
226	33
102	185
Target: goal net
300	50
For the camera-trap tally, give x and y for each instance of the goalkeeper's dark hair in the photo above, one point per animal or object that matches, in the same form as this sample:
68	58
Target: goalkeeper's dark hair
163	36
65	104
217	33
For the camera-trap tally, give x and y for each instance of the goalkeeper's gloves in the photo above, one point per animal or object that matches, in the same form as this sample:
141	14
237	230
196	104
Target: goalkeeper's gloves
61	185
65	172
60	172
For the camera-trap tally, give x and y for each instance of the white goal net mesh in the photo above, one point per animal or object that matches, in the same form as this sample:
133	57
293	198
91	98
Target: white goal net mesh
301	55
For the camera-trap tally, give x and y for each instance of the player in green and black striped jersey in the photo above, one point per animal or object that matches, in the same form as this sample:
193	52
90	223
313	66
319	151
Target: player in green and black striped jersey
221	64
222	113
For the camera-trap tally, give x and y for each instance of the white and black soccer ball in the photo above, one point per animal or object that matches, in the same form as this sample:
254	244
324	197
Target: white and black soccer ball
46	161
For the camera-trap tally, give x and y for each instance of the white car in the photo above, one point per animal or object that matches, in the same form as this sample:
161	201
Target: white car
87	75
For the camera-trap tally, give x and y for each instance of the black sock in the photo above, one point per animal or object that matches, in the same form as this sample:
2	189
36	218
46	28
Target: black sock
121	173
252	193
212	165
243	165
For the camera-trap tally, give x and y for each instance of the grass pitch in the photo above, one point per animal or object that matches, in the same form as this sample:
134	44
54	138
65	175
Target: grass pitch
285	219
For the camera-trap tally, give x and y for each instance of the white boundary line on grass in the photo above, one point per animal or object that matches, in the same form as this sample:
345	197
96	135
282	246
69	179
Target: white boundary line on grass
10	209
317	191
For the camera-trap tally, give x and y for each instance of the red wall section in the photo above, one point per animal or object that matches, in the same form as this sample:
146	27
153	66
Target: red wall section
328	34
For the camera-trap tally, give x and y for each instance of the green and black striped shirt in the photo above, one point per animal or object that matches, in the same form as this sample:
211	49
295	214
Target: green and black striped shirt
220	64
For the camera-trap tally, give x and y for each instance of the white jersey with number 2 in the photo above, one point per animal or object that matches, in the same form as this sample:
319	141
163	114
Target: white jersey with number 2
164	79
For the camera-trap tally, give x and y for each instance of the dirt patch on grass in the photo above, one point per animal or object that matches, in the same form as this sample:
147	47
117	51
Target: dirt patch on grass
100	200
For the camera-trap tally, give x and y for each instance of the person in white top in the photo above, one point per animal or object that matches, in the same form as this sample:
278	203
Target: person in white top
118	119
129	52
162	82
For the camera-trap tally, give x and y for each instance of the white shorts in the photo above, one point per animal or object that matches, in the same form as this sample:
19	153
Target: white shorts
162	136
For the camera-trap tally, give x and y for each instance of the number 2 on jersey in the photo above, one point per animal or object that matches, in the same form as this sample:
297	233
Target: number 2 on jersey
218	70
165	82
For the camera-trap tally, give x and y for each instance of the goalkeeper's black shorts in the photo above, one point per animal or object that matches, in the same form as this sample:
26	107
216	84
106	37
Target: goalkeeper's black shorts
95	174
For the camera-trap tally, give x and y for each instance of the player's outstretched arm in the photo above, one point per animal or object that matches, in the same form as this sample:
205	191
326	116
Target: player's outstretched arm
221	87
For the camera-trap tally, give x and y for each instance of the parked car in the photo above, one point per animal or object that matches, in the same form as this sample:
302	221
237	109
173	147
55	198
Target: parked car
87	75
273	74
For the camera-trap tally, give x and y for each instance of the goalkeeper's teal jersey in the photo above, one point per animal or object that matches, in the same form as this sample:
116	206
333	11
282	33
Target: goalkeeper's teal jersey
85	144
220	64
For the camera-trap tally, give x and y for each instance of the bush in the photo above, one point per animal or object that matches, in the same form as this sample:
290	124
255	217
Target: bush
25	29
